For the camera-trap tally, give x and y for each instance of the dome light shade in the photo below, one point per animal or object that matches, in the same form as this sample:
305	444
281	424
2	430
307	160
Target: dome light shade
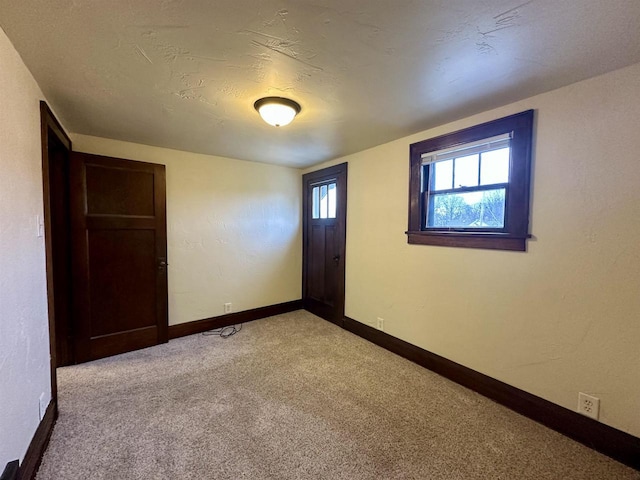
277	111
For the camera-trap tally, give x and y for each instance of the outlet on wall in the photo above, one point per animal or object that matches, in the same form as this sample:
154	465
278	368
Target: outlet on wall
42	405
227	308
380	324
588	405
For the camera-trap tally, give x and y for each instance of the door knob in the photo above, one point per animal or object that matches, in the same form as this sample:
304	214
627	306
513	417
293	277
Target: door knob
336	258
162	264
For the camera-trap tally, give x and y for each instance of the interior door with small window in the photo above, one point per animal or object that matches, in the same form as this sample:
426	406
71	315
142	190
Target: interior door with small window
324	238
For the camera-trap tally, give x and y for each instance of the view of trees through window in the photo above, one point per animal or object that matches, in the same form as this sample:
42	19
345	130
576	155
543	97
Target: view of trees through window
468	191
469	210
470	188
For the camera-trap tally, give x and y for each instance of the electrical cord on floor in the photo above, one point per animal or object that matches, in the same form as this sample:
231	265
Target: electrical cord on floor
224	332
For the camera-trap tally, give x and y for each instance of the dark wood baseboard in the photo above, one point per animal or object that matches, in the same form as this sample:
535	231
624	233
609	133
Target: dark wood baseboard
39	443
614	443
10	471
199	326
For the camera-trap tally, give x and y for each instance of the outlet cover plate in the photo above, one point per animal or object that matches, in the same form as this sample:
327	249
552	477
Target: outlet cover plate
588	405
42	405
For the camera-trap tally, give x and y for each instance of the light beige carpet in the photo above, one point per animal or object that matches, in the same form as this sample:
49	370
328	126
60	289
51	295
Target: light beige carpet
293	397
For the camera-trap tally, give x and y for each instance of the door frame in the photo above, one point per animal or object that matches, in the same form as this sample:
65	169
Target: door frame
50	127
339	172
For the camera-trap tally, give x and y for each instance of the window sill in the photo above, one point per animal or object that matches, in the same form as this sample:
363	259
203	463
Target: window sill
490	241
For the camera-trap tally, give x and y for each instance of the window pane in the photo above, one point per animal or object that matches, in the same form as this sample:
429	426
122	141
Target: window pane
443	175
495	167
466	169
332	200
315	196
484	209
323	201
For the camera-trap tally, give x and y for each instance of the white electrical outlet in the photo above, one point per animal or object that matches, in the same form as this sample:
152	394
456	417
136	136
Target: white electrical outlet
588	405
380	324
227	308
42	405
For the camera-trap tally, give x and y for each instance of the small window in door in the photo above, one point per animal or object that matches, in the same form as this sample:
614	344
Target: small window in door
324	200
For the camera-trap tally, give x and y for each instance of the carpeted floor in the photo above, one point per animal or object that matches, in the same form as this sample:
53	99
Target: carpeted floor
293	397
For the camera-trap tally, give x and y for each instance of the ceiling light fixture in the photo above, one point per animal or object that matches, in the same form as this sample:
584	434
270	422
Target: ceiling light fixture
277	111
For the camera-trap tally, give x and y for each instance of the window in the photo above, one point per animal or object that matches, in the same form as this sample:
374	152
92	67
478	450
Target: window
324	200
471	188
466	185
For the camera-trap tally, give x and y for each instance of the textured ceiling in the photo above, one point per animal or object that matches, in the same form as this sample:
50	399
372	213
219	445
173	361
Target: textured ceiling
185	74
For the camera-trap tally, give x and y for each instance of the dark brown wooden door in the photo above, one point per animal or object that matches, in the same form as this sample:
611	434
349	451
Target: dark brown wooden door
324	236
119	241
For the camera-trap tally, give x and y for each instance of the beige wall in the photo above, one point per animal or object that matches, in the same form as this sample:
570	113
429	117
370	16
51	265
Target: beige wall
561	318
233	229
24	330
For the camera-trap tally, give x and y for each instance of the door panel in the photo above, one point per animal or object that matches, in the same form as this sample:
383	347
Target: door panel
324	238
118	223
316	263
122	286
117	191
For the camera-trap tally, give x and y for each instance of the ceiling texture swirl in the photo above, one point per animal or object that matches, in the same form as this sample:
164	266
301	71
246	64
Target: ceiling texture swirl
185	74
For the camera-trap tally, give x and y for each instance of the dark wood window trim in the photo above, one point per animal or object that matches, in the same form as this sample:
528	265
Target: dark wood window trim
514	235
